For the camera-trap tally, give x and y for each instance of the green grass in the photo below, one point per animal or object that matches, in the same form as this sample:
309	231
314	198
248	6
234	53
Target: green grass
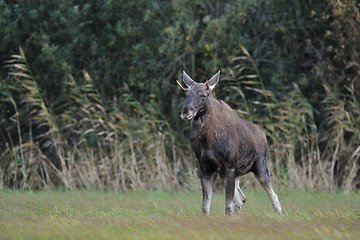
159	215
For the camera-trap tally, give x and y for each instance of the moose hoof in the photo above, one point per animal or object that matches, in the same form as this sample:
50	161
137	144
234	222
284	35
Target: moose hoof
205	212
237	209
228	211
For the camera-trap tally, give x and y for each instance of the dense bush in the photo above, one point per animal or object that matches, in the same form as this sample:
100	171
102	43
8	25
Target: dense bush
90	99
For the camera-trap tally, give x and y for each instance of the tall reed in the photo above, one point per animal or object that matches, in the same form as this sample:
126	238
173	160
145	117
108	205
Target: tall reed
302	154
82	145
79	142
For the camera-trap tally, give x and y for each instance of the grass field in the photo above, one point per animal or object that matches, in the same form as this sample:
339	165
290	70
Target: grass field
160	215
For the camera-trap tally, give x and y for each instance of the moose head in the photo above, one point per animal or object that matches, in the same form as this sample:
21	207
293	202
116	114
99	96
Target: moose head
197	97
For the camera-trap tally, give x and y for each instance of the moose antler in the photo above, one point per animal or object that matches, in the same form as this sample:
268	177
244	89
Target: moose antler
185	89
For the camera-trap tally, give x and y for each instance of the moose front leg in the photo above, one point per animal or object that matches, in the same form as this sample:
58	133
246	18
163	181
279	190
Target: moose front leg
206	184
229	191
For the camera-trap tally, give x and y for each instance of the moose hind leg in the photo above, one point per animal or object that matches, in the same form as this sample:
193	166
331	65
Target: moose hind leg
262	176
239	197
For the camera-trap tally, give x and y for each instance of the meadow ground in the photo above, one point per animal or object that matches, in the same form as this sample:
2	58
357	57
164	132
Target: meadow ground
177	215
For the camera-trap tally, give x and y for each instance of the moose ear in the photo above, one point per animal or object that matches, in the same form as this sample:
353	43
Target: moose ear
187	80
214	80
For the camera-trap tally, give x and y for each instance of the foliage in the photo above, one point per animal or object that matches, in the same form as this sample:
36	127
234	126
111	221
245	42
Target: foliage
94	103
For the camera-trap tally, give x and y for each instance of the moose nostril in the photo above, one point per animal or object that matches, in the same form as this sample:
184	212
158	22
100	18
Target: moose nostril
187	113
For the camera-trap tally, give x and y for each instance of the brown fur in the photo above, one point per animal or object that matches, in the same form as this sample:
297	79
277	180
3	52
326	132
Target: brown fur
223	142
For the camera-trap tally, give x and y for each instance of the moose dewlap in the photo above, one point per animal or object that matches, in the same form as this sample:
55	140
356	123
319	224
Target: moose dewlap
224	143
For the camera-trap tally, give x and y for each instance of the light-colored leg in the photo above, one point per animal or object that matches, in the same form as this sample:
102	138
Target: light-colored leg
262	175
265	183
274	199
239	197
206	184
229	191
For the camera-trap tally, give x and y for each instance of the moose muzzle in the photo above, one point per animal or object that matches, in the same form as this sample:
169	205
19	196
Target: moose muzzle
187	113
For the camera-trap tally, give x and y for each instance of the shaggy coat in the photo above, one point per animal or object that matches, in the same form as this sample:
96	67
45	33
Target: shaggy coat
224	143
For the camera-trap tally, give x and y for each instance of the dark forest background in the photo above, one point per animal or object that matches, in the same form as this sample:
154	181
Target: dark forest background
89	99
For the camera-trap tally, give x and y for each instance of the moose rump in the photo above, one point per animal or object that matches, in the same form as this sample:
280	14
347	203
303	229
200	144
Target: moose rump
224	143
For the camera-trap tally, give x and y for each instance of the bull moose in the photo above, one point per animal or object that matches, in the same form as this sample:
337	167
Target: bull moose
224	143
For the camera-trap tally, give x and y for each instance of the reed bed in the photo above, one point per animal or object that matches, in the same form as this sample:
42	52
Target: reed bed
79	142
